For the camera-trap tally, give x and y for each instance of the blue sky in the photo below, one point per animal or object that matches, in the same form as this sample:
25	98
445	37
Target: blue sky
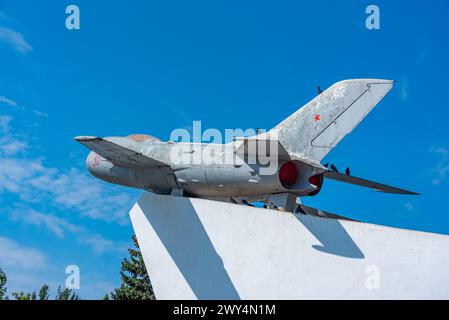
141	67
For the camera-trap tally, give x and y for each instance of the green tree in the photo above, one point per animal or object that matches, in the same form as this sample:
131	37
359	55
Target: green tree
43	294
66	294
136	284
3	280
20	295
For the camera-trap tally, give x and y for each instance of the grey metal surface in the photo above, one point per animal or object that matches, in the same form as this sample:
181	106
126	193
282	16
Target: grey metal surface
315	129
366	183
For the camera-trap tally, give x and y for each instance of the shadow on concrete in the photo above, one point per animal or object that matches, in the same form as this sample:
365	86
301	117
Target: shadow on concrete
333	237
187	242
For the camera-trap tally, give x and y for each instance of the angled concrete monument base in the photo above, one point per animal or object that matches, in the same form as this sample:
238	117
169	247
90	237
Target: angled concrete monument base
201	249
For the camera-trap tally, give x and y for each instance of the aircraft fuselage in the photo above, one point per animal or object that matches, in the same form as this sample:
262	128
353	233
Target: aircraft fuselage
195	176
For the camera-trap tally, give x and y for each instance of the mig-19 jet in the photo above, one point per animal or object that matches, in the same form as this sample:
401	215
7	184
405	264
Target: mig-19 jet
275	167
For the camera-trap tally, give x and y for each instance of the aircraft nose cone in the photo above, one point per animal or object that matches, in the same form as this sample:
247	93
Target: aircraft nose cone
93	161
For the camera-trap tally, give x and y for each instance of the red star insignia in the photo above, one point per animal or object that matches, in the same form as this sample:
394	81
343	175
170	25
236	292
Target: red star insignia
317	118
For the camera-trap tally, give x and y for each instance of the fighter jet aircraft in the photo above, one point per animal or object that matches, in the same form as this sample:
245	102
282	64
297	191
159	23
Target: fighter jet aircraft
293	148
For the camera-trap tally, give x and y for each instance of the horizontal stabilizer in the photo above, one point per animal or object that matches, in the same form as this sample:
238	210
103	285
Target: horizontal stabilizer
319	213
119	151
366	183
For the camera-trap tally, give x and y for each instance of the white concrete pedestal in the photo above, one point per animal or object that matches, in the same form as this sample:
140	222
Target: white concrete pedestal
201	249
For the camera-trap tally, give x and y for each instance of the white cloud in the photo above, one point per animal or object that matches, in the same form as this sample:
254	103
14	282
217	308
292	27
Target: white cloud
59	227
56	225
41	190
40	113
101	245
441	169
14	255
9	144
70	189
4	123
26	268
15	39
12	147
13	103
8	101
73	190
15	172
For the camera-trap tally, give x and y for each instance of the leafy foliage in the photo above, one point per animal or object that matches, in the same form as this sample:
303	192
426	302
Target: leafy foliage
43	294
3	280
24	295
66	294
136	284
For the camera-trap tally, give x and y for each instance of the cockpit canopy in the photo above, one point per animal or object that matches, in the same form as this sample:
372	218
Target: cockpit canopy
143	138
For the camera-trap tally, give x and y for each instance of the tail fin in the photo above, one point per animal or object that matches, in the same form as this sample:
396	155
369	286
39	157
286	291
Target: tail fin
315	129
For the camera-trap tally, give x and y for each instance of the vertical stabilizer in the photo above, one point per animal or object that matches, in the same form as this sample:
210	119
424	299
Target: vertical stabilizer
315	129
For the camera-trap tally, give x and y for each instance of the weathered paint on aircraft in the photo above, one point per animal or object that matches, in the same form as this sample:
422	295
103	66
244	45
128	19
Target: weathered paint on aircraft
284	161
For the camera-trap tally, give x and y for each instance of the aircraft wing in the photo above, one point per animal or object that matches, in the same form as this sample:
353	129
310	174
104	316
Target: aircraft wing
251	148
119	151
366	183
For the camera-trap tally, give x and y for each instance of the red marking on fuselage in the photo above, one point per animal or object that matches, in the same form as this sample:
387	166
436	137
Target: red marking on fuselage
96	160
